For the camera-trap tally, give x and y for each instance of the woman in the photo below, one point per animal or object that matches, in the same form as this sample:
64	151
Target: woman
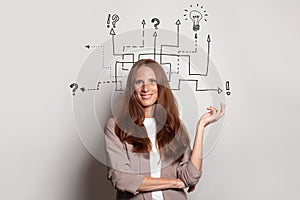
148	148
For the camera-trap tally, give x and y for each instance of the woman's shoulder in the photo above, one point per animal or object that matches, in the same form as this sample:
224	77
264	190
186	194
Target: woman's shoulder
110	125
111	122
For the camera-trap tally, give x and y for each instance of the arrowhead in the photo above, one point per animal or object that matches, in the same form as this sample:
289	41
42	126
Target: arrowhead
112	32
87	46
178	22
219	90
155	34
82	89
208	38
143	22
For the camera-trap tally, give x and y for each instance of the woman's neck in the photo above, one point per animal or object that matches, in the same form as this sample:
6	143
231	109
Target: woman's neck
148	112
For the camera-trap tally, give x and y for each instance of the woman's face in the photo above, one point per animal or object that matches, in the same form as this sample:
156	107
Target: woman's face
145	86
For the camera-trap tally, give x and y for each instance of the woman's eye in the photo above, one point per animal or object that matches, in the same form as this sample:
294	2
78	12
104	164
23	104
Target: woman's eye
139	82
152	81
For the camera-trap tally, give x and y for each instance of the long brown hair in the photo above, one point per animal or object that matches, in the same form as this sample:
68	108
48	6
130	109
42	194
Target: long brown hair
171	136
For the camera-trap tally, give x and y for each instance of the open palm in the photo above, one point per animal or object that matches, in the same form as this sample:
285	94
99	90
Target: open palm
213	115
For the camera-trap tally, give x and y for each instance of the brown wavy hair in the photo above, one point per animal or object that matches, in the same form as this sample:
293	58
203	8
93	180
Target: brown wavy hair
172	138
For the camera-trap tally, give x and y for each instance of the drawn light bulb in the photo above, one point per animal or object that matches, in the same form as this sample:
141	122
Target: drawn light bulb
196	16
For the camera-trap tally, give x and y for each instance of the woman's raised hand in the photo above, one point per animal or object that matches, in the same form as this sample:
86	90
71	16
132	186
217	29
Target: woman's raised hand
212	116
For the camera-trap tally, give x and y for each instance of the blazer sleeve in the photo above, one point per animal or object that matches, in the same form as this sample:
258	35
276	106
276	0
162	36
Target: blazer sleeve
186	170
119	170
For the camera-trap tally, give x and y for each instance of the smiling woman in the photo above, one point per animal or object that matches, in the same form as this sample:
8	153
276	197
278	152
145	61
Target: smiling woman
146	88
147	146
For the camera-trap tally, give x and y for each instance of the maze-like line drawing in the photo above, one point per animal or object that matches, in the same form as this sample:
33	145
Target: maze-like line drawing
177	58
183	72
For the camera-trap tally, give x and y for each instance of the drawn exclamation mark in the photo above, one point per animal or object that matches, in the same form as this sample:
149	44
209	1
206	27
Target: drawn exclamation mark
108	21
227	88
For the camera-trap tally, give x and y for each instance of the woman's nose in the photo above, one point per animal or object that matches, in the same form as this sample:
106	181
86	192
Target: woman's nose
145	87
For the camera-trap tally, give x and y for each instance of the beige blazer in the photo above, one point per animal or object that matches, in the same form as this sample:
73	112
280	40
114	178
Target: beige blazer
127	170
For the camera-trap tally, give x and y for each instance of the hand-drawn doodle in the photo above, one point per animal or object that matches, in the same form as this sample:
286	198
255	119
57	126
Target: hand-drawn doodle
112	19
74	87
227	88
196	16
156	22
115	18
108	21
122	65
91	46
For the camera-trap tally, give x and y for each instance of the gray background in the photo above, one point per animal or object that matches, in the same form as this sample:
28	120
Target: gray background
255	46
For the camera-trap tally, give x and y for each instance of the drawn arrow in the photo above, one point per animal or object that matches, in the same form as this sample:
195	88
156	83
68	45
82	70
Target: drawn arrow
112	33
83	89
143	22
91	46
154	35
219	90
190	51
178	23
208	52
143	41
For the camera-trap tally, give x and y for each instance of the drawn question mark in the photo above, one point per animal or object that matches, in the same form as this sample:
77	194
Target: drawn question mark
157	22
115	18
75	87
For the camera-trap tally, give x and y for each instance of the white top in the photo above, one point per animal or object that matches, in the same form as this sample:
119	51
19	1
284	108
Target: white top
155	163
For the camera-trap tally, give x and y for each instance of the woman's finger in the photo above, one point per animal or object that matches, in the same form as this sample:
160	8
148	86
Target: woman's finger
215	113
218	115
222	111
223	106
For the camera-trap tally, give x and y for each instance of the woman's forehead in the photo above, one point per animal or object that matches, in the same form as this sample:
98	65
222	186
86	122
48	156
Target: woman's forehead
145	72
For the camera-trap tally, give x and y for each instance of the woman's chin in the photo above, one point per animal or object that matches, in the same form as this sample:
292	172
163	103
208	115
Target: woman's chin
146	104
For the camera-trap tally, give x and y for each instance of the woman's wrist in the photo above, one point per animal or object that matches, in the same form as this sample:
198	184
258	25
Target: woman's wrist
179	184
200	126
